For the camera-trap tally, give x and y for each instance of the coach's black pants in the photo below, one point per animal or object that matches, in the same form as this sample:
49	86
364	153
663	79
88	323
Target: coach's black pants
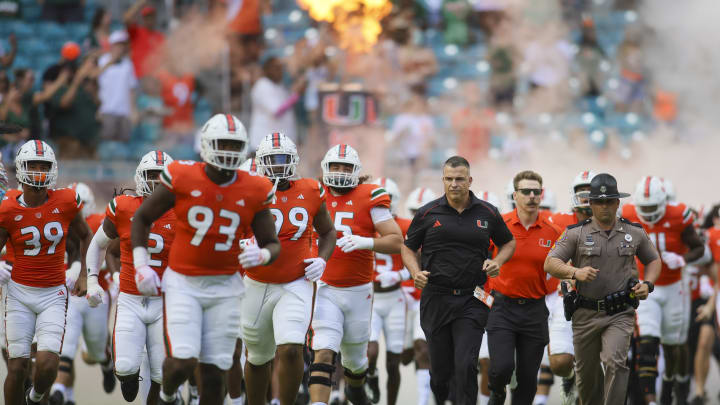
517	335
453	326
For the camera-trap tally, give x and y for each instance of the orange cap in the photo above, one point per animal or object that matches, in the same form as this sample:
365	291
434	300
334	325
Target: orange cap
70	51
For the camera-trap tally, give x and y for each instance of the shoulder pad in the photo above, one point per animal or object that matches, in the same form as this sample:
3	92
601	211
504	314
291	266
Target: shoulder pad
627	221
581	223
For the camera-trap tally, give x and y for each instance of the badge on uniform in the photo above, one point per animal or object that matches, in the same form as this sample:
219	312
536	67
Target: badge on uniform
589	241
482	224
486	298
628	237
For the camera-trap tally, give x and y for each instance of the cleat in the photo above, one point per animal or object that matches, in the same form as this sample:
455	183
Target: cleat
27	398
130	389
373	388
56	398
109	381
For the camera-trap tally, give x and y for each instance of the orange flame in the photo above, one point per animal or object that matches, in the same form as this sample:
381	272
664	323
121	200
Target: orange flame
357	21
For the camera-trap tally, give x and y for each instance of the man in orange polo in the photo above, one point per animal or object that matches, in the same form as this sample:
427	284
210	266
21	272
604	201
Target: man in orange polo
517	326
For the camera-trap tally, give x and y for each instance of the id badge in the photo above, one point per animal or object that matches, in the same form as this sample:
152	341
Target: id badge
486	298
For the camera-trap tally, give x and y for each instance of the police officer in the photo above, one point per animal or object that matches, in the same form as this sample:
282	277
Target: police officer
454	233
603	250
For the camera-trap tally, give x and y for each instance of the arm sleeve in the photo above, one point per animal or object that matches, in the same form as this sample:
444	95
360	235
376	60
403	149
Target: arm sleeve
96	251
416	232
380	214
646	250
564	247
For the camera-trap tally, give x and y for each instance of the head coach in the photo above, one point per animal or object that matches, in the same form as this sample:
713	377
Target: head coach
453	235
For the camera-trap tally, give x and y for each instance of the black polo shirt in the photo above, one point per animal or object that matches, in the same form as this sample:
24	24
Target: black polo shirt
455	245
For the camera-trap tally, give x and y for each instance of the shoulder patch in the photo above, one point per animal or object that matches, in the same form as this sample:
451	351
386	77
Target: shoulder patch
581	223
378	192
627	221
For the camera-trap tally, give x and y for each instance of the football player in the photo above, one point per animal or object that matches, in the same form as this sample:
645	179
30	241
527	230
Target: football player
213	202
664	316
277	306
414	336
389	307
343	303
561	351
83	319
36	223
139	318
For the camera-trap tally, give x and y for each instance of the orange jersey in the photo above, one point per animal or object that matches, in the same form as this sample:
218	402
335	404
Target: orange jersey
294	210
351	214
666	235
386	262
37	236
95	221
523	276
9	252
211	218
120	212
562	220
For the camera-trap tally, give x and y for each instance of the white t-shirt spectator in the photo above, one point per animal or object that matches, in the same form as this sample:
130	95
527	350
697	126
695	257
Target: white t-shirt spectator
115	86
415	130
267	99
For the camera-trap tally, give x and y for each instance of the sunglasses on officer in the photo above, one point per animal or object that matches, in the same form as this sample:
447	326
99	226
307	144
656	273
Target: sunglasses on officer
526	191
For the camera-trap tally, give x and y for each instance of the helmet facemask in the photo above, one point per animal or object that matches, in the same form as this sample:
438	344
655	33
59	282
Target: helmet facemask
278	166
581	200
339	178
146	181
650	214
223	153
37	173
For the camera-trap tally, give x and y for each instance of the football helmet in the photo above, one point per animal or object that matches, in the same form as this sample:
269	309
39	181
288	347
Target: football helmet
577	197
417	198
490	197
509	190
218	128
669	189
392	188
650	199
249	165
153	160
548	201
36	151
341	154
277	157
86	196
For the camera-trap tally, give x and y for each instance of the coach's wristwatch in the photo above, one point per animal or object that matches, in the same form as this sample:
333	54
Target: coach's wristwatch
651	286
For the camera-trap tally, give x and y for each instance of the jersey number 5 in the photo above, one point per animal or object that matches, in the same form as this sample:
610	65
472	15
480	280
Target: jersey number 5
53	233
339	226
201	218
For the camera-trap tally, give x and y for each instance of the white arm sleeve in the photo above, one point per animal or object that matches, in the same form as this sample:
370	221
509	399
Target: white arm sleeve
380	214
96	252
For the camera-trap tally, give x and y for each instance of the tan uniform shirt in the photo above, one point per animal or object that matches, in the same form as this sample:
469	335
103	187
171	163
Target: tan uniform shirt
613	255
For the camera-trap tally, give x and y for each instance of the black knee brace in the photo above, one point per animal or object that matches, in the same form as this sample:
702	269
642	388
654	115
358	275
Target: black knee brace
65	365
648	352
322	380
351	375
546	376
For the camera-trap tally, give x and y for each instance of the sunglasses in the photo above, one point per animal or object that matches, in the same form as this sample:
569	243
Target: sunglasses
526	191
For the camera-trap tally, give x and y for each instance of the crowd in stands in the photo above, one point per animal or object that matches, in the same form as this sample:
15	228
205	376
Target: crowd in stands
105	79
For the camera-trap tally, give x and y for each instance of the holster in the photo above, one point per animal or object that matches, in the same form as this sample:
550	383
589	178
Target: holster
619	300
633	301
569	300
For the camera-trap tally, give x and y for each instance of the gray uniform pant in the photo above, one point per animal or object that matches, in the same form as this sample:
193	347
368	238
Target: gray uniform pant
600	338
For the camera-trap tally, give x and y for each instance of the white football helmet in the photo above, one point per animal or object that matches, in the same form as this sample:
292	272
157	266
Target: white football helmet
490	197
650	199
417	198
218	128
576	198
548	201
341	154
669	190
277	157
86	196
249	165
36	151
392	188
153	160
509	190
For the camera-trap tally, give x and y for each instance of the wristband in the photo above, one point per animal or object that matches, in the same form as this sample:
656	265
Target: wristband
404	274
140	257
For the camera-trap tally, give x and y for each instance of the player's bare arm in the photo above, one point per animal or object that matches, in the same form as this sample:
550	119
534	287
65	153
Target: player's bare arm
326	231
263	226
390	238
152	208
80	229
3	237
692	240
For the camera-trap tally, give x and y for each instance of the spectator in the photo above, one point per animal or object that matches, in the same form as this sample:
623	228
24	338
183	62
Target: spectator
99	35
588	61
272	103
73	124
472	123
4	85
151	110
633	83
145	41
62	11
245	17
19	107
245	70
414	128
10	9
6	59
117	84
177	90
